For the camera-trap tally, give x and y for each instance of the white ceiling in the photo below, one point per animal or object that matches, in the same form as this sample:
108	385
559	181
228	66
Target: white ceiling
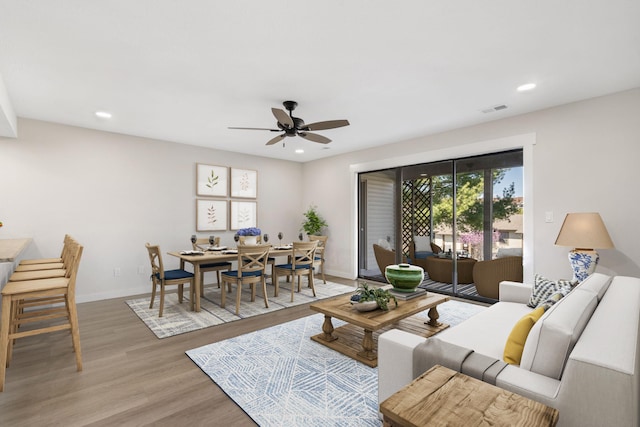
184	71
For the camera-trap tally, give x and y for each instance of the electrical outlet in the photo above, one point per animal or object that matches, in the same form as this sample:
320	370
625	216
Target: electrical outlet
141	269
117	272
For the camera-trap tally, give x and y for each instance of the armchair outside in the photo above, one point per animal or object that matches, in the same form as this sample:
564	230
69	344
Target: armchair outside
418	258
487	275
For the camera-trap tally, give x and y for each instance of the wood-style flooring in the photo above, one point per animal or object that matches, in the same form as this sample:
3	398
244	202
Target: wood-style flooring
130	377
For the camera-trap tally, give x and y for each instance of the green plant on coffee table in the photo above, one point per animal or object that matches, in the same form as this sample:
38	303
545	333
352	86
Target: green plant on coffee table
379	295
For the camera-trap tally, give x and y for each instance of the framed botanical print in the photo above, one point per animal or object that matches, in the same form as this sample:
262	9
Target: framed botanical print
211	215
244	183
212	180
243	214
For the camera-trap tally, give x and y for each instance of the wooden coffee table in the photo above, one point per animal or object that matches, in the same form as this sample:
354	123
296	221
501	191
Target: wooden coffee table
357	340
443	397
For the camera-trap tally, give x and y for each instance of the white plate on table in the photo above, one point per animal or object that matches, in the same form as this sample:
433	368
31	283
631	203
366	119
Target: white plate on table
191	253
216	248
230	251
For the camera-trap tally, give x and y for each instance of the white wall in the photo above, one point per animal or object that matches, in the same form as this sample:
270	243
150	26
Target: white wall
585	158
115	192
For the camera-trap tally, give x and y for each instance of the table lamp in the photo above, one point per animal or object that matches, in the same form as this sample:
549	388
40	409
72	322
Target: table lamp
584	232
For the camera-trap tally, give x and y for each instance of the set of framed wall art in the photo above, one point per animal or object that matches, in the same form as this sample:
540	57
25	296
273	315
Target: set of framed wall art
222	185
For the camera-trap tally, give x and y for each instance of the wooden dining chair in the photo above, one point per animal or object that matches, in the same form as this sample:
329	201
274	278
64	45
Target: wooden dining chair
320	250
202	245
270	261
163	278
36	307
302	264
252	265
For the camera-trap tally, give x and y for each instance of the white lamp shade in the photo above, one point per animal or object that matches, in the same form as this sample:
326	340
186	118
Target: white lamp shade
584	231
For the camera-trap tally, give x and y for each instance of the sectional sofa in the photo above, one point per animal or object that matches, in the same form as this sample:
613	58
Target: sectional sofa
581	357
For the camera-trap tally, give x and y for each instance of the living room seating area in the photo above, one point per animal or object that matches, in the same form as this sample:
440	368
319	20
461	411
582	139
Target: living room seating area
581	357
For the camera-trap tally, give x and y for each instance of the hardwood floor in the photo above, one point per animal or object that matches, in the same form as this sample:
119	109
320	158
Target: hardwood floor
130	377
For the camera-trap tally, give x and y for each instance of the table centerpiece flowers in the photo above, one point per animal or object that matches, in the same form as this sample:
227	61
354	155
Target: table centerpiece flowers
251	235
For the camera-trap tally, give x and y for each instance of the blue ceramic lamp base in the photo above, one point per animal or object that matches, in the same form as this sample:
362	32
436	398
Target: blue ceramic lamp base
583	263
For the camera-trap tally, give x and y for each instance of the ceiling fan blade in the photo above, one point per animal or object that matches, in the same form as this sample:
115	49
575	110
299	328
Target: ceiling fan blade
315	137
276	139
330	124
272	130
282	117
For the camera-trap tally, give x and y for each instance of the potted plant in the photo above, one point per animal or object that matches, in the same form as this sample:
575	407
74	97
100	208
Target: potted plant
367	295
313	223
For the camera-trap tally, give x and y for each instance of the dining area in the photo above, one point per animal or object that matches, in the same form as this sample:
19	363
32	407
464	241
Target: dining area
251	264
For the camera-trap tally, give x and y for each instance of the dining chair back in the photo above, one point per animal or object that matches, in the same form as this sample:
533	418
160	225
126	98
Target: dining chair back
203	244
162	278
302	264
271	261
34	307
252	263
320	252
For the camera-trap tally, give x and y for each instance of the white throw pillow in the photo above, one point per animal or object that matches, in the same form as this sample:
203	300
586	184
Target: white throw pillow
385	245
423	243
553	337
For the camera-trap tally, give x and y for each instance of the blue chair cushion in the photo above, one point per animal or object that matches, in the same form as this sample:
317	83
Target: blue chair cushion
423	254
176	274
216	264
290	267
234	273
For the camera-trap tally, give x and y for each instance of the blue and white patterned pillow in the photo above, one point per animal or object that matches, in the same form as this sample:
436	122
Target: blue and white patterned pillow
544	288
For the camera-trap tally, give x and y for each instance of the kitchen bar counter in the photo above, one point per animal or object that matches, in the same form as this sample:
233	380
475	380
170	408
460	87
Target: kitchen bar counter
10	249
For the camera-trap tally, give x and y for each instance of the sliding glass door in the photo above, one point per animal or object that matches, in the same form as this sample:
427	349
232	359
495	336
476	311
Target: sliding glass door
468	208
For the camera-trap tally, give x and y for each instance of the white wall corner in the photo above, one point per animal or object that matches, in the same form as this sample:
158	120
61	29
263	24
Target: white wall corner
8	121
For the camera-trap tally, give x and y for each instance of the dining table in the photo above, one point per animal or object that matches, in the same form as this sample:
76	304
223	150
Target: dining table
198	258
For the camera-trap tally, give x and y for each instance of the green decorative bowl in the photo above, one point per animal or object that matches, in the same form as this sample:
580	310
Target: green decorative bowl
404	277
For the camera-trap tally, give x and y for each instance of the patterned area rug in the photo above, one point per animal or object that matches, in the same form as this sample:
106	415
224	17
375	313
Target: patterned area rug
178	318
279	377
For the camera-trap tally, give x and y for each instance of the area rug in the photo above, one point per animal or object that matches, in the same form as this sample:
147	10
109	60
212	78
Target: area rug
280	377
178	318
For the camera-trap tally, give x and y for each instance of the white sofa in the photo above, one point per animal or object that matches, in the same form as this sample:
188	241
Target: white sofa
581	357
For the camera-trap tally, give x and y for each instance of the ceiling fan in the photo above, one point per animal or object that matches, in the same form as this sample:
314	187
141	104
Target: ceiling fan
295	126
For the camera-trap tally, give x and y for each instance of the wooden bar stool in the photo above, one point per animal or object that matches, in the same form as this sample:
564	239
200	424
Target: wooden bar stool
67	239
39	298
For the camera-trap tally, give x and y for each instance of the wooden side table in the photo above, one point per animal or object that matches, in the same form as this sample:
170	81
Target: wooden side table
444	397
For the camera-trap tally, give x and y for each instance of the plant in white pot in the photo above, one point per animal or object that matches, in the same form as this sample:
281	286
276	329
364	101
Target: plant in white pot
367	299
313	223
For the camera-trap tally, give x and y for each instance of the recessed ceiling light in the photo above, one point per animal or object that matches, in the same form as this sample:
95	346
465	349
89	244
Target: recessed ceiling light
103	114
299	151
526	87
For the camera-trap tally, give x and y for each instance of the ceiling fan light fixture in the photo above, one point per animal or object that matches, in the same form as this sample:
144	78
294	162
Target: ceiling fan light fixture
294	126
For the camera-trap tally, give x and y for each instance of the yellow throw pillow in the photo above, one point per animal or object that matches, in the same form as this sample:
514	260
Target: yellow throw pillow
518	336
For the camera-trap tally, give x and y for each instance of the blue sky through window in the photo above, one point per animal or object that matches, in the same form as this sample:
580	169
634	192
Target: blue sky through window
513	175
